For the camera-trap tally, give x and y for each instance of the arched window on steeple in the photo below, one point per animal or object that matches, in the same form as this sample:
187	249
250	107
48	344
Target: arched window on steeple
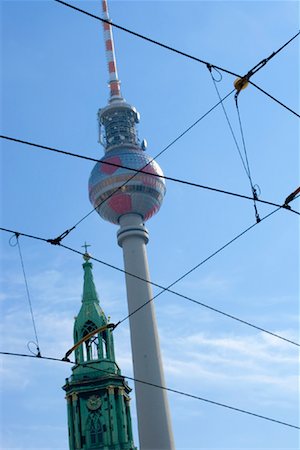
96	347
91	345
94	430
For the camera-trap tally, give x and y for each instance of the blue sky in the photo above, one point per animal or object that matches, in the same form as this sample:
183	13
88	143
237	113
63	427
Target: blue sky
53	82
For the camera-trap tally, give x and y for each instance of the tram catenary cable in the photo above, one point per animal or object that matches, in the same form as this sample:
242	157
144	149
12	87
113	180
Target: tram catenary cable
254	191
27	292
227	118
152	159
167	289
249	74
175	391
245	162
59	238
274	98
165	177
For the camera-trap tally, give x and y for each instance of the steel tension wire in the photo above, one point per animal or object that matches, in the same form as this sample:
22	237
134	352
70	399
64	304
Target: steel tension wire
179	279
58	240
254	191
175	391
28	297
228	121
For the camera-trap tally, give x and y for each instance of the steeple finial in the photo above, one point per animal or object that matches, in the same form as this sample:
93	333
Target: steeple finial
86	255
114	82
89	289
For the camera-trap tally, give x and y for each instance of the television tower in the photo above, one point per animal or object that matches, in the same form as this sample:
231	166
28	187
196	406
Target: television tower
124	197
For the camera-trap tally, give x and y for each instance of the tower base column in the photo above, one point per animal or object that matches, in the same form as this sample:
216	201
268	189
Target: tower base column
154	424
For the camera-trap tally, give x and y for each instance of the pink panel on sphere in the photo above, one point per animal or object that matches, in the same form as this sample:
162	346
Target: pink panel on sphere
148	180
110	169
150	169
151	212
121	203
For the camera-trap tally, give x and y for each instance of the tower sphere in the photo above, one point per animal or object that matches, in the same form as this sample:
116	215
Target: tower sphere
143	192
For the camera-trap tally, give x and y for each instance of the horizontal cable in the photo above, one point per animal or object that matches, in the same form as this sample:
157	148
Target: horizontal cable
275	99
154	158
167	289
176	180
59	238
145	38
175	391
179	52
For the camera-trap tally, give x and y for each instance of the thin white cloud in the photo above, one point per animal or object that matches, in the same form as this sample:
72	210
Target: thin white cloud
260	363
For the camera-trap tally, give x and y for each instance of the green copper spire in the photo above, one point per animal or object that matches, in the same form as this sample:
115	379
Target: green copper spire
97	394
89	289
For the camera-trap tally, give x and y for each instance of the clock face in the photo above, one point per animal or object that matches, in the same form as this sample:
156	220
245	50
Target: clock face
94	402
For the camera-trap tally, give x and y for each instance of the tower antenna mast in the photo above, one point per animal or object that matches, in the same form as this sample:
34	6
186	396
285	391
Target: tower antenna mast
114	82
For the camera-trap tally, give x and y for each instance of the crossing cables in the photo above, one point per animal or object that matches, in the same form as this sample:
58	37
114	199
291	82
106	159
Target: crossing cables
168	288
165	177
58	239
194	58
244	159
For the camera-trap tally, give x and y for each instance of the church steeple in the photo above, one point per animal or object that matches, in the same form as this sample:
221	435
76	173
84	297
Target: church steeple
97	394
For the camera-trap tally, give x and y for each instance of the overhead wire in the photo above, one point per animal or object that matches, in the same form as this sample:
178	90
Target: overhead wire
293	196
17	244
275	99
157	386
245	162
167	289
67	232
261	64
59	238
254	191
185	297
143	37
165	177
153	159
227	117
249	74
289	199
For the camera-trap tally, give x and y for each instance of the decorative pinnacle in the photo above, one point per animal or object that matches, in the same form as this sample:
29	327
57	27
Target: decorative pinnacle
86	255
114	82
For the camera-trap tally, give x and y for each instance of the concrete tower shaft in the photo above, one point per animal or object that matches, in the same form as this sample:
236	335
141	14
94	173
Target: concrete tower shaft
154	422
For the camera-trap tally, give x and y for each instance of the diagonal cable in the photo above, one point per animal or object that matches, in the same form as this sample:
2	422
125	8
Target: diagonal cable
245	165
165	177
255	69
185	297
175	391
168	289
254	192
28	293
228	121
58	239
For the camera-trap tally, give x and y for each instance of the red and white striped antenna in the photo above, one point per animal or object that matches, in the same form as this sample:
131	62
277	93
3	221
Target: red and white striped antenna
114	82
